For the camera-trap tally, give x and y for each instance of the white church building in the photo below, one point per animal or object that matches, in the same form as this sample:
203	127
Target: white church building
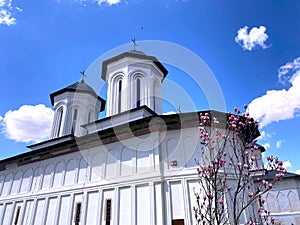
134	167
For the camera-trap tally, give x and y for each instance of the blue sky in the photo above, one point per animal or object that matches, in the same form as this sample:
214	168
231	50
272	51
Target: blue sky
252	48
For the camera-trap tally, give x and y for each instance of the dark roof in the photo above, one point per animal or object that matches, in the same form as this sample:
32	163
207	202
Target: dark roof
125	112
138	127
78	87
270	175
67	141
133	54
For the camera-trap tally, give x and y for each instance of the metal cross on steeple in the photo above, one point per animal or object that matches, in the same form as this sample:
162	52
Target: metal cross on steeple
134	43
83	75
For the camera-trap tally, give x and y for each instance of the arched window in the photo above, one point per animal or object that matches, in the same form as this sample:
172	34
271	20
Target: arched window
75	112
119	95
59	121
138	92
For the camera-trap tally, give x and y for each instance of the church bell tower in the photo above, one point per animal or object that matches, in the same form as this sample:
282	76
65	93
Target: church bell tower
74	106
134	79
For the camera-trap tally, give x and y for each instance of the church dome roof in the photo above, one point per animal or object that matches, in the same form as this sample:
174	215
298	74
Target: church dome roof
80	87
133	54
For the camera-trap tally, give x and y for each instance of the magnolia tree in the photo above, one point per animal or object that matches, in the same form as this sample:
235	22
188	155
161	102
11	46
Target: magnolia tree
229	170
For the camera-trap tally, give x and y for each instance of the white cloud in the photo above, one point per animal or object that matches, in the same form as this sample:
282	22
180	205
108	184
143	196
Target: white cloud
169	113
287	164
278	144
266	145
264	136
284	75
278	105
297	172
6	12
28	123
256	37
6	18
109	2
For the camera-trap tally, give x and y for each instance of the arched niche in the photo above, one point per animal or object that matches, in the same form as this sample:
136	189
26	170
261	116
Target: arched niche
47	177
172	151
82	173
112	164
294	201
284	203
16	183
26	181
70	172
143	162
272	203
58	174
191	151
97	166
36	179
7	184
127	162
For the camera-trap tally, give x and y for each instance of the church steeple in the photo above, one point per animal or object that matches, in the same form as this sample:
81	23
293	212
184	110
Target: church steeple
74	106
134	79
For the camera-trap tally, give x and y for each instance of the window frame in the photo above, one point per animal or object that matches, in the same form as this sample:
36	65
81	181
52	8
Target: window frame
78	206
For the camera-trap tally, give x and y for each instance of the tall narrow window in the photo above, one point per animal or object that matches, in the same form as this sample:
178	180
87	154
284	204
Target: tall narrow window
107	215
17	215
74	120
59	121
138	92
77	213
89	117
154	97
119	96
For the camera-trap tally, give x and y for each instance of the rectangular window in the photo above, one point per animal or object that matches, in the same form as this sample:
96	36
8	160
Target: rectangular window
107	215
260	203
17	215
77	213
178	222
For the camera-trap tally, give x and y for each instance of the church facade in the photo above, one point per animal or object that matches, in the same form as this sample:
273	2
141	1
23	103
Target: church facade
134	167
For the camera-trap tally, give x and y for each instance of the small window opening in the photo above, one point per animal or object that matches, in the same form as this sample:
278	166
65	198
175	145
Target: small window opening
119	96
59	119
138	92
77	213
178	222
17	215
107	211
154	96
89	117
74	120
